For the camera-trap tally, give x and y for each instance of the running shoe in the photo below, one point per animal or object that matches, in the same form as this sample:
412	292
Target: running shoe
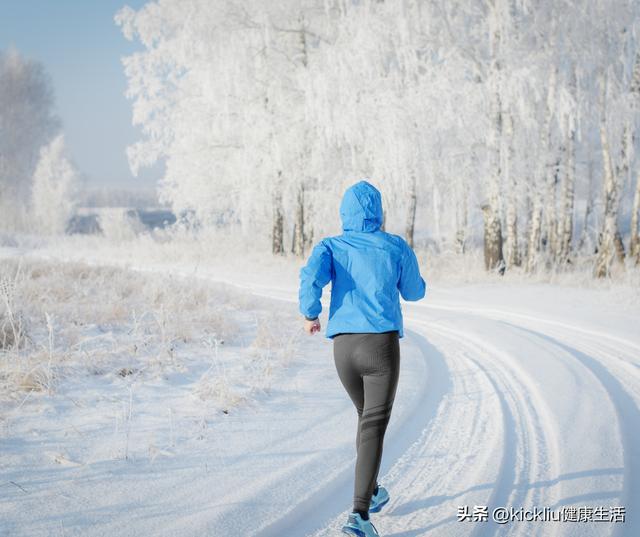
360	528
378	501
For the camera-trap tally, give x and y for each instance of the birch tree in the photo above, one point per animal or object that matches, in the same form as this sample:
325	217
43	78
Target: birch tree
512	252
634	246
634	243
263	113
565	222
607	244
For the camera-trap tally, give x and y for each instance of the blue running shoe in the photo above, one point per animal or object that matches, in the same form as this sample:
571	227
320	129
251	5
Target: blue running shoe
360	528
378	501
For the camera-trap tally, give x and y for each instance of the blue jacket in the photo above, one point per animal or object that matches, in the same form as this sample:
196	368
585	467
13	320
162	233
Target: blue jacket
368	269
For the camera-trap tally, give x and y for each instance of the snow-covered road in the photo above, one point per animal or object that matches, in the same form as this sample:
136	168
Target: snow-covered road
535	406
518	410
539	414
515	396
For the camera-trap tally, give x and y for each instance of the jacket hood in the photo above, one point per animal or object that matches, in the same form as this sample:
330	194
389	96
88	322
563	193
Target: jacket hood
361	208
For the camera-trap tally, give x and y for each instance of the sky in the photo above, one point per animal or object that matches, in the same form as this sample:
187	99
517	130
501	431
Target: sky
80	46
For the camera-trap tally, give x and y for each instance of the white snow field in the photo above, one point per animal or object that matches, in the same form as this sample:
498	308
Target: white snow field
516	396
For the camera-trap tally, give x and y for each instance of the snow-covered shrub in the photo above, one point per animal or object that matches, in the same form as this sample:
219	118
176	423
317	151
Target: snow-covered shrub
214	385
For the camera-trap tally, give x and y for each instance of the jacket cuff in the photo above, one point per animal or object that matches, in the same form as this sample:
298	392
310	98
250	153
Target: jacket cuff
310	318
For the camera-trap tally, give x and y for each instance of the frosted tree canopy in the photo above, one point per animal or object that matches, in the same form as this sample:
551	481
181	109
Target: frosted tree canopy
461	113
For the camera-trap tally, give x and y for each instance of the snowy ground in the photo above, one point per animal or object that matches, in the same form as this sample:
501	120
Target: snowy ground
510	395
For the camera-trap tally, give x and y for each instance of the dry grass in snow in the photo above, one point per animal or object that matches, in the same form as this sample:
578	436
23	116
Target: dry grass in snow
68	320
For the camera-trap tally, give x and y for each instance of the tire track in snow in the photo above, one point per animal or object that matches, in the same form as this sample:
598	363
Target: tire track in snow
528	447
619	379
453	453
514	317
506	478
621	360
614	347
628	416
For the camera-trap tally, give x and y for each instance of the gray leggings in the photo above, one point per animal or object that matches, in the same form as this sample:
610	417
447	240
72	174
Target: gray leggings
368	366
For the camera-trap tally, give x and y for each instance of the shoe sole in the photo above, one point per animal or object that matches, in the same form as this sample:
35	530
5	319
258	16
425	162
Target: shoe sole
353	531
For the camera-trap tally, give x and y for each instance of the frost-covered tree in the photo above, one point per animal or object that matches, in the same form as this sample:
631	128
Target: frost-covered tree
217	95
54	190
263	113
27	122
634	243
616	84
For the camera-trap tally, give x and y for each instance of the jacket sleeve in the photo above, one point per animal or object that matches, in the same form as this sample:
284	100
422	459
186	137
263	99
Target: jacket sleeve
411	285
313	277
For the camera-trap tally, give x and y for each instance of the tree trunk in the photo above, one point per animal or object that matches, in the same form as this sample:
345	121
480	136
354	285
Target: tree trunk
535	224
634	246
512	253
298	229
528	212
493	255
461	222
565	231
277	244
619	246
435	199
565	224
493	258
588	210
634	86
550	238
622	168
609	242
621	178
411	212
535	232
308	226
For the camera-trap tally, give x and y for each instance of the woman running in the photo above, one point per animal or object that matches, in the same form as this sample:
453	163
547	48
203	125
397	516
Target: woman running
369	269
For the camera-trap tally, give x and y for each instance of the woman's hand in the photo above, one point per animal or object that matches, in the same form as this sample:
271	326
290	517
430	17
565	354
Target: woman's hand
311	327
